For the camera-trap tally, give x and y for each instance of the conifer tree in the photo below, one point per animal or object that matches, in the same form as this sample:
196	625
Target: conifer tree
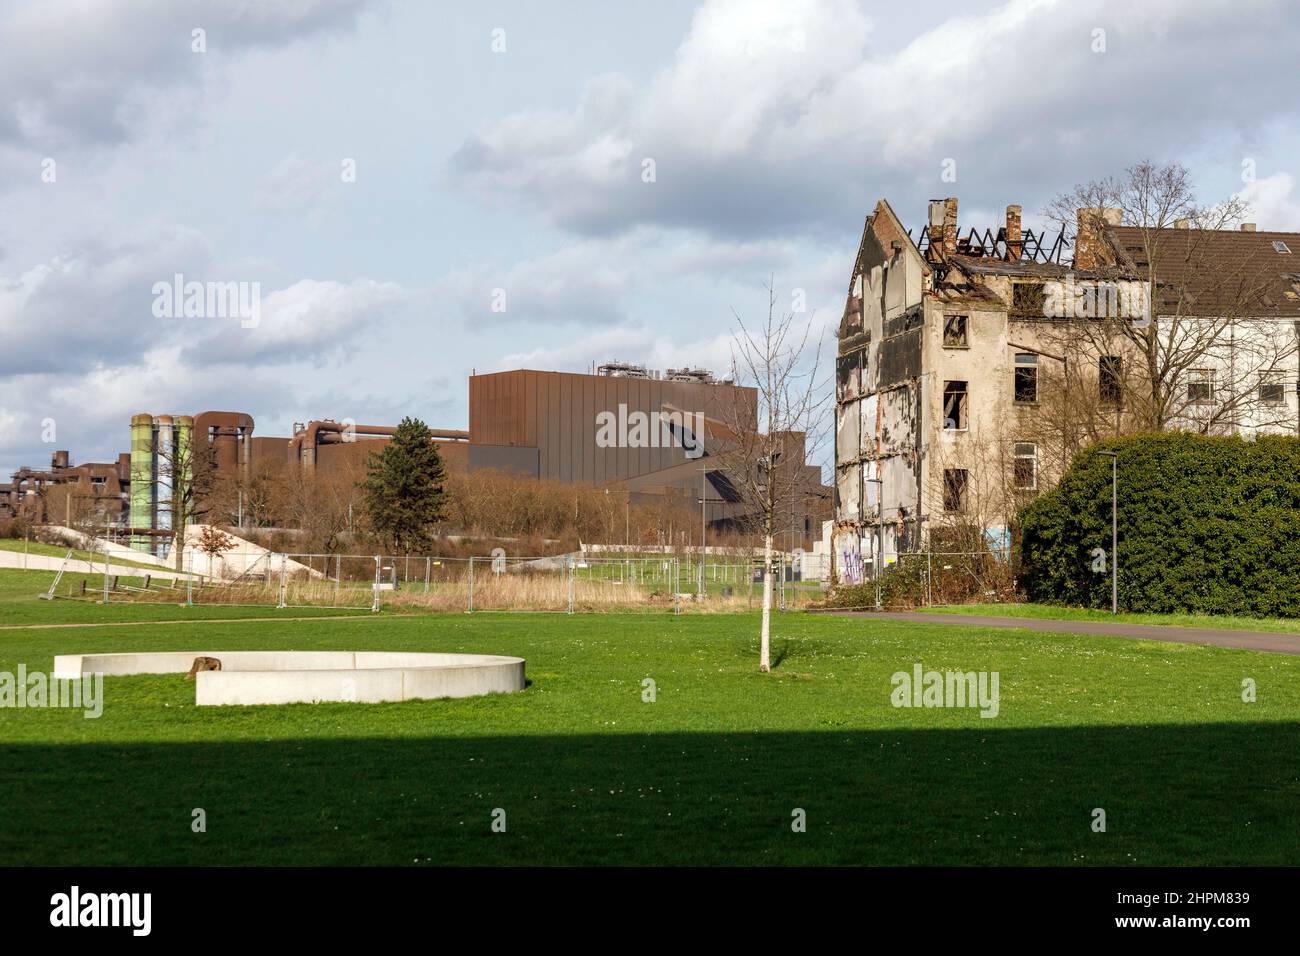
404	487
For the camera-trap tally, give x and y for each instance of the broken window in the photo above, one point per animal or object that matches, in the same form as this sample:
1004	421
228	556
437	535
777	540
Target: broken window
954	405
954	490
1109	380
1028	299
1200	386
1272	388
1025	467
850	374
954	331
1026	383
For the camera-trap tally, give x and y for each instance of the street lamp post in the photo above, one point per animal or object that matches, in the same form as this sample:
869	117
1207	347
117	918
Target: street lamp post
704	527
627	518
1114	529
627	532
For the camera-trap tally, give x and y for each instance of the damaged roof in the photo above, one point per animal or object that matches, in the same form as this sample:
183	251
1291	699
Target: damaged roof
966	293
987	265
1217	271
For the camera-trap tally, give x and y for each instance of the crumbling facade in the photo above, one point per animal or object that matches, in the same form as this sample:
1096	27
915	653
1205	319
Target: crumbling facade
959	378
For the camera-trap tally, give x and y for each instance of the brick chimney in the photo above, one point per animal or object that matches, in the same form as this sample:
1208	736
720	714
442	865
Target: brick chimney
1247	227
1015	242
935	225
950	225
1091	222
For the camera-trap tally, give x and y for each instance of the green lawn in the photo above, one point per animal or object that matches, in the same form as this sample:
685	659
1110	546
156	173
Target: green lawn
709	773
19	604
1059	613
58	551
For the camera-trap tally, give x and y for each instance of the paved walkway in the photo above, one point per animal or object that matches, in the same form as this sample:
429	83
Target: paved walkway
1276	641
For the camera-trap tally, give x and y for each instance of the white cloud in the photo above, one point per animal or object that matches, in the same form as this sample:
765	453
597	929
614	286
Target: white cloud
640	346
89	70
304	322
296	185
601	281
91	306
91	412
1274	203
773	116
581	282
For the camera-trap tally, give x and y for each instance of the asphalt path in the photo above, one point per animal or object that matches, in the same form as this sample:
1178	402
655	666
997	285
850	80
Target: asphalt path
1277	642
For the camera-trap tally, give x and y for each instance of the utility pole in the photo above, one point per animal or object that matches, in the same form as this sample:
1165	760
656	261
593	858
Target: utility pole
1114	529
1296	326
704	472
627	518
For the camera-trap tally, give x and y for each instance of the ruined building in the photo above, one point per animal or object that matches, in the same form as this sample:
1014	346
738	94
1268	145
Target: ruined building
962	385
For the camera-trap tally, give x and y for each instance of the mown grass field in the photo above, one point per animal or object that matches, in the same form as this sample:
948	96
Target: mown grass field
709	773
18	546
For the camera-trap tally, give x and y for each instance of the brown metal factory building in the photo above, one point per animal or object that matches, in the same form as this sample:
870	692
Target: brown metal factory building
538	424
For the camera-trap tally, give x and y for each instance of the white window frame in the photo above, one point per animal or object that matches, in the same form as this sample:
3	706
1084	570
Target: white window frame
1031	362
1032	457
1277	378
962	423
1201	376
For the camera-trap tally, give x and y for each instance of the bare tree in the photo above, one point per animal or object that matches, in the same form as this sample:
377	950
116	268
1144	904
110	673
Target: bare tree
1204	355
324	505
84	507
763	448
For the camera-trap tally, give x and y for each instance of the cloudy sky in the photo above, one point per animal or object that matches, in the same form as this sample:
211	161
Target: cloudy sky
422	189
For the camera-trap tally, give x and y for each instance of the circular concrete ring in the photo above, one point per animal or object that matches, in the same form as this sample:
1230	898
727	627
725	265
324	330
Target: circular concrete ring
309	677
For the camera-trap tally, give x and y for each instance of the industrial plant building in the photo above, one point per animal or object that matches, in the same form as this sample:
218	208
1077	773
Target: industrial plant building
636	431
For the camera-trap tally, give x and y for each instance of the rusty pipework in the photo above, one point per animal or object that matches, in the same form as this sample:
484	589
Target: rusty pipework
305	441
230	434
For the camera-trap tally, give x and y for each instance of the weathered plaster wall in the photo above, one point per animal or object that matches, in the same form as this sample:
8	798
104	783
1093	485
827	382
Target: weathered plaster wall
878	384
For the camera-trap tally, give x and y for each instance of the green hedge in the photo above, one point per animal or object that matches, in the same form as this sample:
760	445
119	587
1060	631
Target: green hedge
1206	525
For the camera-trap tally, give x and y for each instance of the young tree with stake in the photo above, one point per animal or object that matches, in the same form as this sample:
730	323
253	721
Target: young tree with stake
763	447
